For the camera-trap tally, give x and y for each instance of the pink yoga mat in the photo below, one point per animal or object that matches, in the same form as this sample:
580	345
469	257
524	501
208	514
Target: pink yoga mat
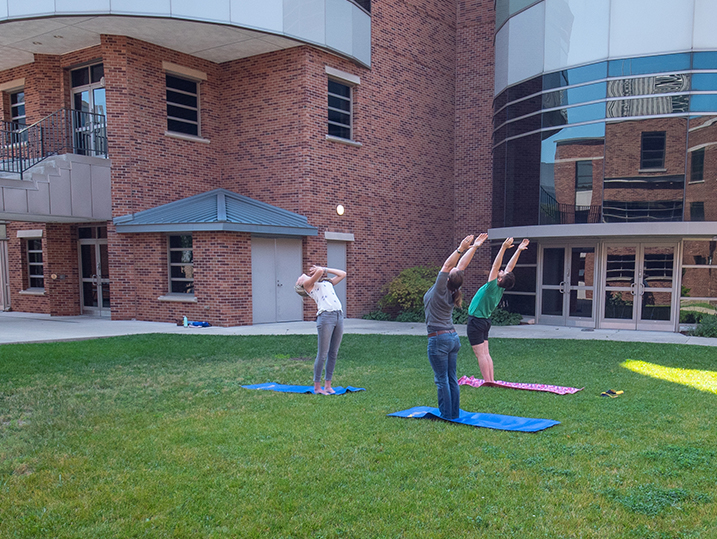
477	382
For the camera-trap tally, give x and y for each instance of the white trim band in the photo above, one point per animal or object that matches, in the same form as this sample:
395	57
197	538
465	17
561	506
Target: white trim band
338	236
354	80
36	233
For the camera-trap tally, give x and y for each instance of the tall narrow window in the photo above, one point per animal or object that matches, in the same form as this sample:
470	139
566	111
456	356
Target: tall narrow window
339	110
181	265
697	211
653	150
182	105
17	107
697	166
35	269
583	175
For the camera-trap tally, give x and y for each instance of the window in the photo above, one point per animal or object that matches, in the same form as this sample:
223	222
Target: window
697	211
35	270
17	107
182	105
697	166
339	110
653	150
583	175
181	268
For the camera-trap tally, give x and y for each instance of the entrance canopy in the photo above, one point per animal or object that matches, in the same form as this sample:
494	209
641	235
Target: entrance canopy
219	209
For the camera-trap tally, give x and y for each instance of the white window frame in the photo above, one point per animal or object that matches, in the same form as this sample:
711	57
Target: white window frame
20	119
171	264
190	75
352	82
30	265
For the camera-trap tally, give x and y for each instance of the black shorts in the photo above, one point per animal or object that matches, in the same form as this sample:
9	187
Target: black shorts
478	329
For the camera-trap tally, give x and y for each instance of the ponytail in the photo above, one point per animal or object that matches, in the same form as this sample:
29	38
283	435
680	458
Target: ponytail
455	281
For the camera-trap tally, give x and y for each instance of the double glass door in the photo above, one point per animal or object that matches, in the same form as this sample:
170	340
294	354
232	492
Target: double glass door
89	106
639	286
567	285
94	268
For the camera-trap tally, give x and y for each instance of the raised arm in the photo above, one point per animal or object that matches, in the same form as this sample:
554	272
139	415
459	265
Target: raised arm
514	259
495	269
338	275
315	273
452	260
468	255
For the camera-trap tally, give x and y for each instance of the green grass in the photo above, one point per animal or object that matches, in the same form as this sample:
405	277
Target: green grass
153	436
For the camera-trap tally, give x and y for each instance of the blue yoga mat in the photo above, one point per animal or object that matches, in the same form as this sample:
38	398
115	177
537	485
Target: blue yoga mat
489	421
281	388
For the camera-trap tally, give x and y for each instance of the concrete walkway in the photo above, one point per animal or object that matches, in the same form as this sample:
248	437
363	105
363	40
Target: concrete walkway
27	327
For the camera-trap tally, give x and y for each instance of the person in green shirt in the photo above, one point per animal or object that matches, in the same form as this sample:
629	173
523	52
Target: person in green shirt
484	303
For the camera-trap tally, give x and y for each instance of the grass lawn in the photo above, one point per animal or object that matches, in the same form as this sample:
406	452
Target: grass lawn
153	436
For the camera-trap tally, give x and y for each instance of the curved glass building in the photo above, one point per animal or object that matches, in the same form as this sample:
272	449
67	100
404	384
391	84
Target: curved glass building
605	155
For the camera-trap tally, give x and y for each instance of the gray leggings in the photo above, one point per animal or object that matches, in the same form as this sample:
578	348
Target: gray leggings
331	329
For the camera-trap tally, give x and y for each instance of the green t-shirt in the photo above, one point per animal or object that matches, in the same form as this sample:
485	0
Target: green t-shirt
486	300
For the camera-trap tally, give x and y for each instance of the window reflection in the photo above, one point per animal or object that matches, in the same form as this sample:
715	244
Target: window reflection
651	64
701	187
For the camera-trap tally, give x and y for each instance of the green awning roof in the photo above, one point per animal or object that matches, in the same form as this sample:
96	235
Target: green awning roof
219	209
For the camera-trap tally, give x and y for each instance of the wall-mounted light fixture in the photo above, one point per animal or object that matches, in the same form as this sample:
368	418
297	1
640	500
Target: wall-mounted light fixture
340	209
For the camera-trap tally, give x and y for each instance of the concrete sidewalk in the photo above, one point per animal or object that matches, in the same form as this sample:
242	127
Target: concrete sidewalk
18	327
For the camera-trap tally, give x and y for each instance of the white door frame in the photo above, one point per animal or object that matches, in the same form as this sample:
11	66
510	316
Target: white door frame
639	287
565	287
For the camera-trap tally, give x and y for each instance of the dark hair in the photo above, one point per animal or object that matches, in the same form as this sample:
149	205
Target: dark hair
507	281
455	281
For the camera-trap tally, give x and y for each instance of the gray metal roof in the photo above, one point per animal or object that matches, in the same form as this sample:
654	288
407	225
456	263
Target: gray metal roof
219	209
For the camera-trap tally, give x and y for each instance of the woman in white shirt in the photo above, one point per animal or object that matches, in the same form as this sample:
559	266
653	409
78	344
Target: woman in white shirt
329	320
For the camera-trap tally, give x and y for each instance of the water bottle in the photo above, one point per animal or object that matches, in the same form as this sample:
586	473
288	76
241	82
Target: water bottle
185	322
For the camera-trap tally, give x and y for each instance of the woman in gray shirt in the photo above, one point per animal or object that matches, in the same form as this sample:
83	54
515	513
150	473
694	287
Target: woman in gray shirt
443	341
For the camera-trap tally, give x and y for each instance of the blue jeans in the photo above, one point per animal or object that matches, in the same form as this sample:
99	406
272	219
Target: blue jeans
443	355
330	325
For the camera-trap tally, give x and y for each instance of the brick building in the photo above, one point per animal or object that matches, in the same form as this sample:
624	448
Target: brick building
170	159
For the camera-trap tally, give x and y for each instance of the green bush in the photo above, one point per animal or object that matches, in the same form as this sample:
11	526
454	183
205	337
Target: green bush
460	316
405	292
377	315
707	327
411	316
501	317
690	317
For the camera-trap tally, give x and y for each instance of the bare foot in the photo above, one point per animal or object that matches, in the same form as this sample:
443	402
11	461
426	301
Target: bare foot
329	390
320	391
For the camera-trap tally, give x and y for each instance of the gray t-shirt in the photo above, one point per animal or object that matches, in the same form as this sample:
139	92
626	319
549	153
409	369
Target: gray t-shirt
438	304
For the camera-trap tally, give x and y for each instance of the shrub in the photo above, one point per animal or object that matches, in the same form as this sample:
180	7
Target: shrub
377	315
460	316
690	317
501	317
405	292
707	327
411	316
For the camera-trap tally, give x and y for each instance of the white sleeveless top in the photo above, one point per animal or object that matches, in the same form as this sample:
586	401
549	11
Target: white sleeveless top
324	295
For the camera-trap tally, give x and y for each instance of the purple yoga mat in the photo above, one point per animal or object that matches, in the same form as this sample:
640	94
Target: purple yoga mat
478	382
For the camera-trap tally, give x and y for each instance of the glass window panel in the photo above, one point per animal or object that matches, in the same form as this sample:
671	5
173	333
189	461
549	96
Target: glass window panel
182	272
339	89
89	264
582	266
338	131
339	103
705	60
181	113
576	32
699	253
553	265
653	150
80	77
182	127
692	310
35	257
697	165
620	269
178	242
97	71
34	245
656	306
85	232
699	282
339	117
101	231
17	97
105	295
552	303
184	85
668	63
36	270
526	44
182	287
703	103
89	294
576	75
519	303
180	257
704	81
581	303
525	277
182	99
618	305
697	211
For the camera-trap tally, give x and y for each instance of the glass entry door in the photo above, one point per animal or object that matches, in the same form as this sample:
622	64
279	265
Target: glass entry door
639	285
567	285
94	269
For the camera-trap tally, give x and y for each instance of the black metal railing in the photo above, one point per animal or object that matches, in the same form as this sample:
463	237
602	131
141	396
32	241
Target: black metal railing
64	131
553	212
